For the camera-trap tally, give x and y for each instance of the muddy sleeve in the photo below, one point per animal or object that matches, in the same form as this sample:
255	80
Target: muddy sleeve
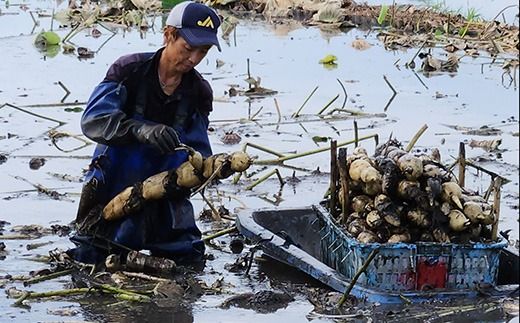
104	120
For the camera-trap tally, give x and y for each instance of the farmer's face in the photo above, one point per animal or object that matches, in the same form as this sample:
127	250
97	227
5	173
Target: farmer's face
183	56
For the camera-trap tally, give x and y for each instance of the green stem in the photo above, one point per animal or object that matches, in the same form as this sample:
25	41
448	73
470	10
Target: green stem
307	153
262	148
359	272
219	234
265	177
297	113
47	277
416	137
328	104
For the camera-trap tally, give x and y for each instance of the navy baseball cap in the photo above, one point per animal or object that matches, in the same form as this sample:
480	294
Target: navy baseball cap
196	23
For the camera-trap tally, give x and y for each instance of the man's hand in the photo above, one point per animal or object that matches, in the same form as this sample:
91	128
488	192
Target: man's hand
162	137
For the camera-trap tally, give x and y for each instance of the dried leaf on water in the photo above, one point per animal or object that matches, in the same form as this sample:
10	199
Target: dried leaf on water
62	312
36	162
360	44
319	139
84	52
68	49
431	64
329	12
488	145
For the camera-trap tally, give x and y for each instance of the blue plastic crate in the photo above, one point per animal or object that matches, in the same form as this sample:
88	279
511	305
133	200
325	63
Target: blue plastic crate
409	267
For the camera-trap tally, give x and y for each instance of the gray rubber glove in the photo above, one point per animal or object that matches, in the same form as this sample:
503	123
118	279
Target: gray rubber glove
162	137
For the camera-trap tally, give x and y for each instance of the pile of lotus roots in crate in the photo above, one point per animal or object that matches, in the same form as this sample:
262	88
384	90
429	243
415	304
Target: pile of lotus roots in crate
397	196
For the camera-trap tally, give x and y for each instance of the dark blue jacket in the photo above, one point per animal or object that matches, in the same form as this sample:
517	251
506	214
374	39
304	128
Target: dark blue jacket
129	96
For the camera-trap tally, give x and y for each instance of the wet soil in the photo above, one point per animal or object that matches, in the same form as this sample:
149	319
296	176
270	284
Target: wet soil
285	57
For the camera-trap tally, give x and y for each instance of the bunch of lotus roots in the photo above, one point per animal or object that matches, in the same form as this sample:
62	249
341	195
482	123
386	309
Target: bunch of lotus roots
189	175
401	197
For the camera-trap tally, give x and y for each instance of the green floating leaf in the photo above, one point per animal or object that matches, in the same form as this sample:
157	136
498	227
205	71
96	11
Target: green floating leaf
51	51
382	14
46	39
75	109
320	139
329	59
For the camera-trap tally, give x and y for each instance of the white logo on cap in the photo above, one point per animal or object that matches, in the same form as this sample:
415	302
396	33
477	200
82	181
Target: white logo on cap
206	23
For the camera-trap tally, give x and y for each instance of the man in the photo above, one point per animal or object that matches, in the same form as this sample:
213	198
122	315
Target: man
147	105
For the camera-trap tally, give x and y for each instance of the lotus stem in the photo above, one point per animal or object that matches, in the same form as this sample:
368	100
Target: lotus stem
220	233
416	137
328	104
60	123
297	113
47	277
265	177
343	178
262	148
214	212
497	184
333	176
355	278
124	294
344	92
63	292
145	276
133	298
462	164
256	113
356	134
307	153
278	110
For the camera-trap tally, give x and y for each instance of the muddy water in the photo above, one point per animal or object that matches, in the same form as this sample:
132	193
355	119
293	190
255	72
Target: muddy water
285	57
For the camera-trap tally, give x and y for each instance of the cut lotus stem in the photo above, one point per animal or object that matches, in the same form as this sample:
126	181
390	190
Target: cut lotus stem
356	134
343	178
63	292
262	148
133	298
462	164
297	113
237	177
416	137
355	278
57	104
256	113
389	84
47	277
214	212
307	153
219	234
265	177
334	174
60	123
492	174
328	104
278	110
144	276
344	92
115	290
414	56
497	184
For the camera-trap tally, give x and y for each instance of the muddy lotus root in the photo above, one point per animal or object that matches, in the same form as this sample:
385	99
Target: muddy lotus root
396	196
188	175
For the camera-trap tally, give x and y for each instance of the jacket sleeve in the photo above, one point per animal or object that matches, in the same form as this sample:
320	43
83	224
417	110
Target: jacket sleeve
104	120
